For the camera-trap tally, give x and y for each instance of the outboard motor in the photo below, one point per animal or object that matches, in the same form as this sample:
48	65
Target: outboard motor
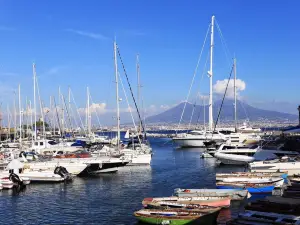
18	183
63	172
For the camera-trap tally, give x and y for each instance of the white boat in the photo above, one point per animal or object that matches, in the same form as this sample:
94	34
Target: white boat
221	176
290	166
6	183
138	153
247	129
95	138
276	181
243	156
41	176
48	146
237	157
74	168
234	194
196	138
241	139
16	167
95	165
9	183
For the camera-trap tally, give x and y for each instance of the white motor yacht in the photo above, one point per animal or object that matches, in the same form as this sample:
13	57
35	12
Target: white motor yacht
73	168
47	146
94	165
286	164
196	138
244	155
26	174
241	139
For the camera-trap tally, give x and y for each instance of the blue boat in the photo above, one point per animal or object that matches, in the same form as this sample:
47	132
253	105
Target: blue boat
251	189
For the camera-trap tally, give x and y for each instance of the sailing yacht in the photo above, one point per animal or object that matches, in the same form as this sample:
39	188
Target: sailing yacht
137	153
196	138
240	136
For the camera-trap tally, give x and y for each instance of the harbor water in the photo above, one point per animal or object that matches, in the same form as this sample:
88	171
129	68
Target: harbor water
112	198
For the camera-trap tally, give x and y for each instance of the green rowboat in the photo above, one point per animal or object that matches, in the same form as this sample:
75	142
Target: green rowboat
177	217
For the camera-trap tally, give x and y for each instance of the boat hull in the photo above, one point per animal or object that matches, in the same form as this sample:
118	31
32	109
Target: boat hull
207	219
252	190
74	169
105	167
223	202
186	143
140	159
233	194
231	159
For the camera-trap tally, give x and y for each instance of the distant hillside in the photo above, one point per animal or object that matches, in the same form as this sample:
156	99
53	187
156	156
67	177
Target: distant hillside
244	111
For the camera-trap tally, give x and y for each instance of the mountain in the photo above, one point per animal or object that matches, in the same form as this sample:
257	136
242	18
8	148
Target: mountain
244	111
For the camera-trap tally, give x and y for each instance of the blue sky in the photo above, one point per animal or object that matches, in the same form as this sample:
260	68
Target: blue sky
71	43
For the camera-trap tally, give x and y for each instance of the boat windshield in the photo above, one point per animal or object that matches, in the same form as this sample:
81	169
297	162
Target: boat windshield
52	143
226	132
195	132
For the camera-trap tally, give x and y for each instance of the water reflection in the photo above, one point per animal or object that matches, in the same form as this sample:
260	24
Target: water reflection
112	198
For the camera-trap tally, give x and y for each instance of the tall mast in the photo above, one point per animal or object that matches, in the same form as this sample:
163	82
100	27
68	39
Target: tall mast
20	115
69	106
8	125
27	117
34	100
58	111
41	107
210	73
31	122
204	114
138	88
234	83
88	116
15	117
117	94
52	107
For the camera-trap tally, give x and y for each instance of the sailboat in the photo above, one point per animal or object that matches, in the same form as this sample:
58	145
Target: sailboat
244	135
196	138
137	153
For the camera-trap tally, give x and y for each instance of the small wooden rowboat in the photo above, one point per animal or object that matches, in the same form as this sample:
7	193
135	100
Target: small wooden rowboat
176	217
252	174
252	188
223	202
276	181
175	205
233	194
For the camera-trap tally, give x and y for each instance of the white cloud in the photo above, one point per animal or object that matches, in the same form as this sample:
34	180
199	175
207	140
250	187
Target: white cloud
88	34
100	108
220	87
203	97
164	107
